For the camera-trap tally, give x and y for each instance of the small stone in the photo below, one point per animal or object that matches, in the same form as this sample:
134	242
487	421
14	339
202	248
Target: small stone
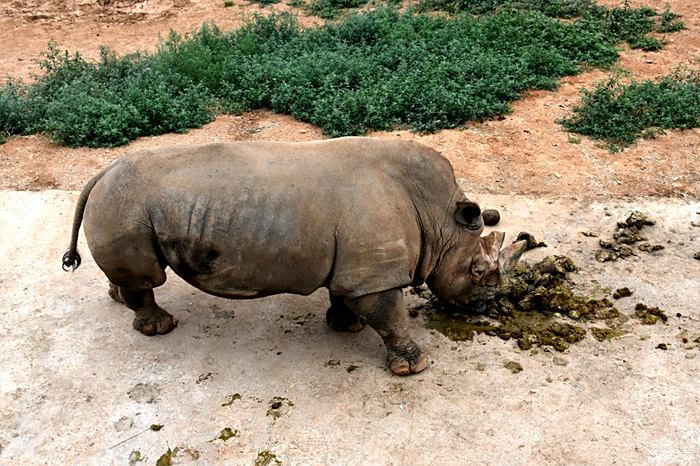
491	217
352	367
413	313
696	256
333	362
662	346
589	234
622	293
513	366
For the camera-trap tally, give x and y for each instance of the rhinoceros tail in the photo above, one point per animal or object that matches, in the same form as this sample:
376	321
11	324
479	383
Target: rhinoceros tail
72	259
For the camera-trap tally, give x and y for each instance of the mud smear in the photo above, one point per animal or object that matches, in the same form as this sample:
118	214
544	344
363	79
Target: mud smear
227	433
265	458
535	305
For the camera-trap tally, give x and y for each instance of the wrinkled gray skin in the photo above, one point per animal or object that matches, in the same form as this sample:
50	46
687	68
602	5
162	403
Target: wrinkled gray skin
362	217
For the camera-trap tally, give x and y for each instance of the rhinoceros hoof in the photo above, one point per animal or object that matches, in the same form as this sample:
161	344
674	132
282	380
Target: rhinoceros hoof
406	365
342	319
156	323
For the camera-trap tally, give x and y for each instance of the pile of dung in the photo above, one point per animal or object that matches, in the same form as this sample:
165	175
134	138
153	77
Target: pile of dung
535	304
625	237
649	315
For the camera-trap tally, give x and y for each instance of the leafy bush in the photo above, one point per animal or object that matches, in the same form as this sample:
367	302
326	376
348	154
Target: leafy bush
108	103
329	9
371	71
620	113
631	25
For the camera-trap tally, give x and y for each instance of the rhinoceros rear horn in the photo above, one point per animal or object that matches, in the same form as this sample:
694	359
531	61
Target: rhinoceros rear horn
508	256
468	214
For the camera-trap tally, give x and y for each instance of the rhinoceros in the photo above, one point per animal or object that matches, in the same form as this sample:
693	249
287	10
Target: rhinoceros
362	217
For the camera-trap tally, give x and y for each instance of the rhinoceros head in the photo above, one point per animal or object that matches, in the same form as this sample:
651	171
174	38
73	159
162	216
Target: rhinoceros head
469	272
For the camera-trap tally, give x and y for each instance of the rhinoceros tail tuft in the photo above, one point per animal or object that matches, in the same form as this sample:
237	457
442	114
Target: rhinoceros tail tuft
71	260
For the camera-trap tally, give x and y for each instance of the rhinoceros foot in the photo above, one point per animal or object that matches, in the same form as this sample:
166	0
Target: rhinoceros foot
341	318
158	322
150	318
406	363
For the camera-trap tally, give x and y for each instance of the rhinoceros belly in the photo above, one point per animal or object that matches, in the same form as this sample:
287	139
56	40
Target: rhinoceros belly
246	249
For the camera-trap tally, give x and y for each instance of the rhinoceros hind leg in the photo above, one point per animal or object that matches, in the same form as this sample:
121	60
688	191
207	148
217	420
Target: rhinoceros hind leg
150	318
341	318
114	293
385	313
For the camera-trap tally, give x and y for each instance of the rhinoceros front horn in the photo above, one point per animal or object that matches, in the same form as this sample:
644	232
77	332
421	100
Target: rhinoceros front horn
508	256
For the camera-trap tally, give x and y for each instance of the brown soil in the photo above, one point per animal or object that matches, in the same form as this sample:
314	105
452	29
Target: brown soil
524	153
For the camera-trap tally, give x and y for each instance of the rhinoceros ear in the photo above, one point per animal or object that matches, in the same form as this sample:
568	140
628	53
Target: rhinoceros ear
509	256
468	214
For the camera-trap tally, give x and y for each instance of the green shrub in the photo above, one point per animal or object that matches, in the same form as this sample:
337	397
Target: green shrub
329	9
619	113
631	25
372	71
115	100
670	22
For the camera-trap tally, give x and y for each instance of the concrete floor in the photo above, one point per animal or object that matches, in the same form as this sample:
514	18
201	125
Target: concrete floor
76	380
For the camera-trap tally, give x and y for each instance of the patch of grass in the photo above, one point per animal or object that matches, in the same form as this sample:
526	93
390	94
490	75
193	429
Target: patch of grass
372	71
619	113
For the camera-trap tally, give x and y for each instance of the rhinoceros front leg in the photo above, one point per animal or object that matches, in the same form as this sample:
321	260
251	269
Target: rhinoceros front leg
385	313
341	318
150	318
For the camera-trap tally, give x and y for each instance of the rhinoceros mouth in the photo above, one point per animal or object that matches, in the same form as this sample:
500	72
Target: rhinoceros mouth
478	301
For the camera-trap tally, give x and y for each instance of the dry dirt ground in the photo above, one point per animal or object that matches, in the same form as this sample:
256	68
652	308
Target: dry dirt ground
77	380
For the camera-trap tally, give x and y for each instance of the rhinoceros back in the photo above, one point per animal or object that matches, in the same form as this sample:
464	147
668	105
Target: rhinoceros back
253	219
